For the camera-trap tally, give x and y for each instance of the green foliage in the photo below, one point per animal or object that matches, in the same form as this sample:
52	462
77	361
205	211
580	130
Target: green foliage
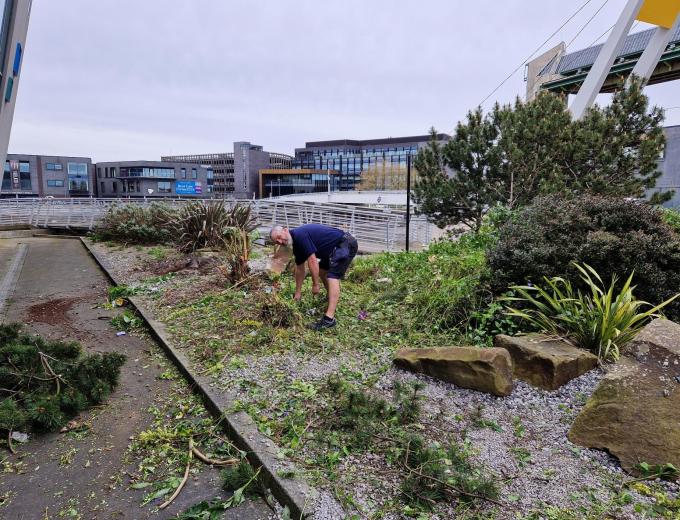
45	383
516	153
431	472
612	235
137	224
602	320
664	471
442	286
488	322
672	218
200	225
125	321
437	473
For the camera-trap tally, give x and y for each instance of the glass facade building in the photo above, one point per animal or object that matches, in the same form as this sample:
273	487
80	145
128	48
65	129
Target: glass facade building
375	164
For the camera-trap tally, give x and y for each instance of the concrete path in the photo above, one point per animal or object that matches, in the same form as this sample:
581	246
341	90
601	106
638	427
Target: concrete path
58	292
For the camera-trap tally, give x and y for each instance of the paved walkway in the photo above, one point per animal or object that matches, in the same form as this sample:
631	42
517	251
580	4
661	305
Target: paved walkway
59	278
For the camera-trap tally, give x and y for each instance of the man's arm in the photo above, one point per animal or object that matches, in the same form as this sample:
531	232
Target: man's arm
313	264
299	280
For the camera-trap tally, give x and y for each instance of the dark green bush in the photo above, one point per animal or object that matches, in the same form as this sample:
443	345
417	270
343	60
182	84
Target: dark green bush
132	223
45	383
613	235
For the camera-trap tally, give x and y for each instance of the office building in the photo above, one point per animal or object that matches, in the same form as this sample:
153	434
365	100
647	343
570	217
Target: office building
373	164
13	30
236	174
154	179
47	176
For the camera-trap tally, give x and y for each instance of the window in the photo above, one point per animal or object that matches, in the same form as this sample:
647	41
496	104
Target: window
115	187
164	187
55	183
103	187
139	171
194	173
183	173
54	167
77	177
99	173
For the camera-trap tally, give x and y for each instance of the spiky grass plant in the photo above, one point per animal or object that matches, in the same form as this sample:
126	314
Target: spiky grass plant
602	320
201	225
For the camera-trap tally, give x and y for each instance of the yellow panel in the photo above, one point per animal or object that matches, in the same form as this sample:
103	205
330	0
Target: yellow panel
660	12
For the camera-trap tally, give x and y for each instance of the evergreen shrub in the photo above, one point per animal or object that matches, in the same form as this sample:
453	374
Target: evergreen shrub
615	236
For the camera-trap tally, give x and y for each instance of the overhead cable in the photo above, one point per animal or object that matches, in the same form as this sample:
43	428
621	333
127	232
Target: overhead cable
537	50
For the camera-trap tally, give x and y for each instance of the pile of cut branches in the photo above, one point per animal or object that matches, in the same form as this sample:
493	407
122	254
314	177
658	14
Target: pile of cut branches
44	383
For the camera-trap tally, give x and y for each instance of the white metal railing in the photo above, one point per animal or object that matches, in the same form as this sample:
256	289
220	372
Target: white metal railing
377	229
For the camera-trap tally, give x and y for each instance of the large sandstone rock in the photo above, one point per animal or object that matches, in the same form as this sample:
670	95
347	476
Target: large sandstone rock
545	362
635	411
484	369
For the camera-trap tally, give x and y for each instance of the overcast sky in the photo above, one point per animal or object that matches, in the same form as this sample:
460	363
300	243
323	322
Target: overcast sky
137	79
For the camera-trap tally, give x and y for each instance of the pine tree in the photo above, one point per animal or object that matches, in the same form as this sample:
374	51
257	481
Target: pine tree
520	151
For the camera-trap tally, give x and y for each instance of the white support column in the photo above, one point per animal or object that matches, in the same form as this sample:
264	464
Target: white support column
603	65
650	58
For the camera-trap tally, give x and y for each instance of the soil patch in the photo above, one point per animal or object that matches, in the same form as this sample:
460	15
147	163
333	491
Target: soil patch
53	312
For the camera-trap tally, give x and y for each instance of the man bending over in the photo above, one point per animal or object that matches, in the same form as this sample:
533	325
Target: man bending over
328	251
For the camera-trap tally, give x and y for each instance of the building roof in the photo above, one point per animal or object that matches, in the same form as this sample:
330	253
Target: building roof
634	44
369	142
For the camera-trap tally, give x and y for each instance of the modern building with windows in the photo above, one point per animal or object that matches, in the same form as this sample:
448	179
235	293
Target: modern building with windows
154	179
47	176
277	183
236	174
669	165
372	164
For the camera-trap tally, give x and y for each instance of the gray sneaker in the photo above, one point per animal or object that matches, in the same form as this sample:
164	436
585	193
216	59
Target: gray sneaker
324	323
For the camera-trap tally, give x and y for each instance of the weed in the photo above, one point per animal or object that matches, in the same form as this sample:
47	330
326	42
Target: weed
127	320
519	430
522	456
158	253
478	421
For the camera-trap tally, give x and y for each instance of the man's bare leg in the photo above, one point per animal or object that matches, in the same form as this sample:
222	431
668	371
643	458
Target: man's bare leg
333	286
323	274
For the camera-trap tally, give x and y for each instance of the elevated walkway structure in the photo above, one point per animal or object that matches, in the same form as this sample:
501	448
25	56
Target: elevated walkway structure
362	198
565	73
377	229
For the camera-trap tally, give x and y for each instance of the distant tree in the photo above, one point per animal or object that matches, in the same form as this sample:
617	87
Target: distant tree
520	151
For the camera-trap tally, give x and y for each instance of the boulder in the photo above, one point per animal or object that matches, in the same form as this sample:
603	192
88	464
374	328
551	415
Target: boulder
658	342
545	362
485	369
635	411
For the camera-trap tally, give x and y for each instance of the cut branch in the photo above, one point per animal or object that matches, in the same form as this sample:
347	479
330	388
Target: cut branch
184	480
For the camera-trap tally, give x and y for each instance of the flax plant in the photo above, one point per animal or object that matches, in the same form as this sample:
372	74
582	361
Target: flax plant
602	319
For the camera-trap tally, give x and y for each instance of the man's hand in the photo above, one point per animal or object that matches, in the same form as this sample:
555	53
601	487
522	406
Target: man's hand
316	289
297	296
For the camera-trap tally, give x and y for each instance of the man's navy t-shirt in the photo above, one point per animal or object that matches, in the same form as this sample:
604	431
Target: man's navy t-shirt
314	239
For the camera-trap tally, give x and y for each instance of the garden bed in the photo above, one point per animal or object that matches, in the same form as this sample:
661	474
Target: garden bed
295	383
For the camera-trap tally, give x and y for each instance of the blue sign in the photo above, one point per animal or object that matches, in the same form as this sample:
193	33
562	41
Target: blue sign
188	188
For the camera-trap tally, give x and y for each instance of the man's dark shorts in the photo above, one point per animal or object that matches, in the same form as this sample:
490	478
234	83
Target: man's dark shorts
340	258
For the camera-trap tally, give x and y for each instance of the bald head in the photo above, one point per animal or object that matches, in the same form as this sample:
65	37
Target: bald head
281	236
